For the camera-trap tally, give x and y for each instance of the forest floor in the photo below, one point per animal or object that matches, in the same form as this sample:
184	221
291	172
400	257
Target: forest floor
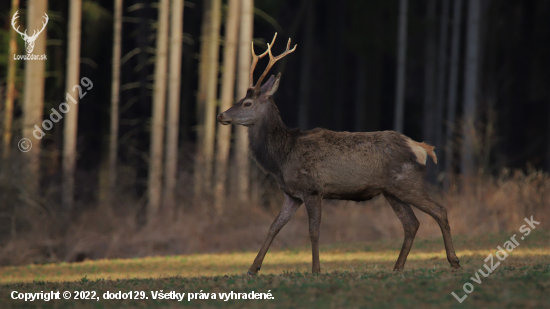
354	275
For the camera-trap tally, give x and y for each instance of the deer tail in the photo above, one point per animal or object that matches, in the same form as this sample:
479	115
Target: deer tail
429	150
422	150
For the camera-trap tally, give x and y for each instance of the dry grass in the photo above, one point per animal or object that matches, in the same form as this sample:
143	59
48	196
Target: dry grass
487	206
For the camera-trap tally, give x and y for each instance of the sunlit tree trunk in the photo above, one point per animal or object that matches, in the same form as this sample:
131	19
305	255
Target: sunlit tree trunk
33	92
211	94
227	98
10	91
401	67
159	105
452	97
70	128
172	129
470	86
242	170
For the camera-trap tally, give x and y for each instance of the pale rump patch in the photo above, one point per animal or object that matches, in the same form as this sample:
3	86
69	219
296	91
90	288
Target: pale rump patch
421	151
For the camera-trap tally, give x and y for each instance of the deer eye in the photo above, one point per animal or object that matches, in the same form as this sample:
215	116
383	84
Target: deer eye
247	104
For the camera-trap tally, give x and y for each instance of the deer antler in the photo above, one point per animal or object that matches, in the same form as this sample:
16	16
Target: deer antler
272	61
15	16
43	26
255	59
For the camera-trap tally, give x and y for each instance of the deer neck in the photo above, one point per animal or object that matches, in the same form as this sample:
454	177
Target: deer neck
270	142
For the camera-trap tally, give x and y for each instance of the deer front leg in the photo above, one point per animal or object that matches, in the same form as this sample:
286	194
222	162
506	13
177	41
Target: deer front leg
313	206
290	206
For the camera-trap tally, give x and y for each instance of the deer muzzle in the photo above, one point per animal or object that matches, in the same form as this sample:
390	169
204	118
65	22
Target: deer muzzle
222	119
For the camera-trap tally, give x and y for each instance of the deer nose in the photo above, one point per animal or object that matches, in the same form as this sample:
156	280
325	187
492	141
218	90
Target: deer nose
220	116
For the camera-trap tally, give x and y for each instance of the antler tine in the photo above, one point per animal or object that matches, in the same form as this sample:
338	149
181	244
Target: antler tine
272	61
255	59
15	16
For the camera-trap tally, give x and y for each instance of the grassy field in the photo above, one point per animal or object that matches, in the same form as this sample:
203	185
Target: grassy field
357	275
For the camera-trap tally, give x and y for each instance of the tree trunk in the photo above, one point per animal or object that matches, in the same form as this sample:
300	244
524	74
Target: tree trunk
115	91
10	93
172	129
33	101
429	84
442	75
360	98
338	13
227	97
241	152
159	105
70	128
453	89
198	184
470	86
211	94
305	71
401	67
548	144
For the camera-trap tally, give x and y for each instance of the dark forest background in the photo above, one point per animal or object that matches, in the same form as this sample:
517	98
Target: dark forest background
341	77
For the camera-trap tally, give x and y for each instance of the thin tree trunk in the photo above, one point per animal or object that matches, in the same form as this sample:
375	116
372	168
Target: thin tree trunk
33	101
548	143
201	100
227	97
442	75
470	86
159	105
305	71
172	129
70	128
360	98
211	94
429	74
429	84
401	66
340	64
115	91
10	93
452	97
241	152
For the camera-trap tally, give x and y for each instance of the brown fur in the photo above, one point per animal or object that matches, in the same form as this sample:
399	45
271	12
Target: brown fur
321	164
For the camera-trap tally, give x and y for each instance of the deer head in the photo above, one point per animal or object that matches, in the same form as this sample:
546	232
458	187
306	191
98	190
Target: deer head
29	40
248	110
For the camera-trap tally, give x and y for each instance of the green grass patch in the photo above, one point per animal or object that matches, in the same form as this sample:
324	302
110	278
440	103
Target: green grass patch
357	275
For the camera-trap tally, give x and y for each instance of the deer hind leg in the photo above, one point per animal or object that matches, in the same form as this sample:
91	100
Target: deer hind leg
410	225
313	206
420	199
290	206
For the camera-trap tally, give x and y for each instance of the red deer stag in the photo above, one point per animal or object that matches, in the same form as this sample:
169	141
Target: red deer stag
322	164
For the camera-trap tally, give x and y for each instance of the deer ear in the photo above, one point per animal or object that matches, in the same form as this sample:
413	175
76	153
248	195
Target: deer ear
267	85
271	85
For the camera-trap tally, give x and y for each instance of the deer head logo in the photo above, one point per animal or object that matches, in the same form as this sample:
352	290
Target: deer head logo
29	40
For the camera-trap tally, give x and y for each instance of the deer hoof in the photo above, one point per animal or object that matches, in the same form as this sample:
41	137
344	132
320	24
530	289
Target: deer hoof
250	273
